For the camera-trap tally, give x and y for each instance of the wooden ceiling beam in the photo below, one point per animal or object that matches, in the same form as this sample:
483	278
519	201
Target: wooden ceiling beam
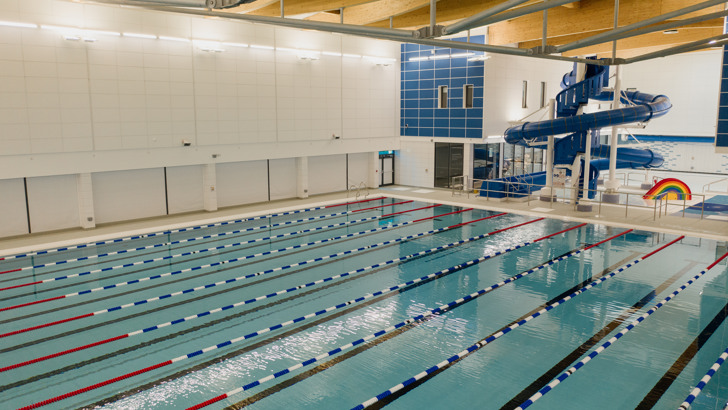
381	10
296	7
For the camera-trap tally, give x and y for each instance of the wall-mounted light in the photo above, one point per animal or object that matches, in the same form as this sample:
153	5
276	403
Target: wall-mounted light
481	57
140	35
308	55
17	24
238	45
261	47
178	39
209	46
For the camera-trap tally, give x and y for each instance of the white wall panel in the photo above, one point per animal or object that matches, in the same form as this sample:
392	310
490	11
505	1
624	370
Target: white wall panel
53	203
242	183
414	164
282	178
326	173
184	189
13	216
133	194
358	169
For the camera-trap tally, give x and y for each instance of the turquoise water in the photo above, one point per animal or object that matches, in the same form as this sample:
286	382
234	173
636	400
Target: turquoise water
493	377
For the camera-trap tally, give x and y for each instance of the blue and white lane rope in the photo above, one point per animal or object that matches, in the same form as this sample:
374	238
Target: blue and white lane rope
413	319
703	382
210	236
507	329
614	339
225	282
207	349
310	315
177	272
170	231
214	248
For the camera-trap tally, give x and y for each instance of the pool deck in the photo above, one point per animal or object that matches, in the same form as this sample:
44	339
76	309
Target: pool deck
613	215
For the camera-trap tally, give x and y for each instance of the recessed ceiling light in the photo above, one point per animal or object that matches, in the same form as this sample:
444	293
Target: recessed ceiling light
671	31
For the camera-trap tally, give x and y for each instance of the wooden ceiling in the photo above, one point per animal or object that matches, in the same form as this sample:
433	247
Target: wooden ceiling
565	24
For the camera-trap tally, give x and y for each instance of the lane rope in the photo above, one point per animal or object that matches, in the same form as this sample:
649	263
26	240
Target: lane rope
170	231
615	338
219	345
413	319
513	326
704	381
199	251
181	241
208	286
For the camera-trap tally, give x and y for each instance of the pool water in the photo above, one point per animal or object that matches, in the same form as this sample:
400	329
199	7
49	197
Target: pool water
108	352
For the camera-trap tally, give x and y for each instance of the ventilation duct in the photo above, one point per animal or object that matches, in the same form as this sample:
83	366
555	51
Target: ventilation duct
208	4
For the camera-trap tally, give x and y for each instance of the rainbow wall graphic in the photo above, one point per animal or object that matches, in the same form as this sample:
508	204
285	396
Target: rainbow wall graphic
669	188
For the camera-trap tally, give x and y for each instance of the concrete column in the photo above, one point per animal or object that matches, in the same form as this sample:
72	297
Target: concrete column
84	189
302	177
612	184
375	176
547	193
209	186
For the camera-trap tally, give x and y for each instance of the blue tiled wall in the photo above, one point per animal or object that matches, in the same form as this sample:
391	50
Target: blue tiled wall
420	116
721	136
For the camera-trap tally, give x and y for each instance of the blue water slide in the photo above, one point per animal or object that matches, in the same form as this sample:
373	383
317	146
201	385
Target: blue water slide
641	107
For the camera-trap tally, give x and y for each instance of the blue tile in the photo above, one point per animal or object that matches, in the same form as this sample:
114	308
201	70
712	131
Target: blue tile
442	113
427	84
457	122
411	75
460	39
477	92
475	70
427	74
411	113
455	92
474	123
427	65
424	47
457	83
459	62
722	127
411	94
473	133
410	132
427	112
480	39
478	102
411	47
476	81
459	72
474	113
442	122
426	123
411	103
723	113
428	103
725	71
721	140
442	132
426	132
724	84
724	98
457	132
442	73
457	112
456	102
410	85
411	122
430	93
443	63
411	65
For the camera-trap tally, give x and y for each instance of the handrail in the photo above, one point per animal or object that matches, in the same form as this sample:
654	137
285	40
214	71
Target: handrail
714	182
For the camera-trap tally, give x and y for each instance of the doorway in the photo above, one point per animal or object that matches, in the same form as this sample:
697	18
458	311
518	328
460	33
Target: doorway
448	163
386	165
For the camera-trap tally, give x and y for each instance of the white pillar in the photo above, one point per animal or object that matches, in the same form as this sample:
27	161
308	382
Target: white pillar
547	194
375	176
209	186
85	192
587	165
612	184
468	153
302	177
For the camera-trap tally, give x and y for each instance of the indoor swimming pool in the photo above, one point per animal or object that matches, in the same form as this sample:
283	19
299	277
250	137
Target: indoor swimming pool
365	304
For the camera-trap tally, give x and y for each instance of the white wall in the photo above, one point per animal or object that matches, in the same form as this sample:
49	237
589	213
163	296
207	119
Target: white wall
184	189
13	214
326	174
132	194
282	178
691	81
358	170
503	84
414	163
127	103
53	202
242	183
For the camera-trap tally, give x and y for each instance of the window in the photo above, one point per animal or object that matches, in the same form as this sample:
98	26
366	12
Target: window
468	96
524	96
442	96
543	94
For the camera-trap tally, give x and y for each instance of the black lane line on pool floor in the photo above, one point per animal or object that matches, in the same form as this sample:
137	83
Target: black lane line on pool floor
366	346
265	342
170	263
394	396
569	359
180	333
186	278
655	394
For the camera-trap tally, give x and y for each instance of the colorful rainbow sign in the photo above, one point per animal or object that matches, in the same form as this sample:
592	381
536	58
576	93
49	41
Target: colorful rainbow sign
669	188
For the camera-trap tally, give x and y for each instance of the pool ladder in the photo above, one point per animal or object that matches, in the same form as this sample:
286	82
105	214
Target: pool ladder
361	189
